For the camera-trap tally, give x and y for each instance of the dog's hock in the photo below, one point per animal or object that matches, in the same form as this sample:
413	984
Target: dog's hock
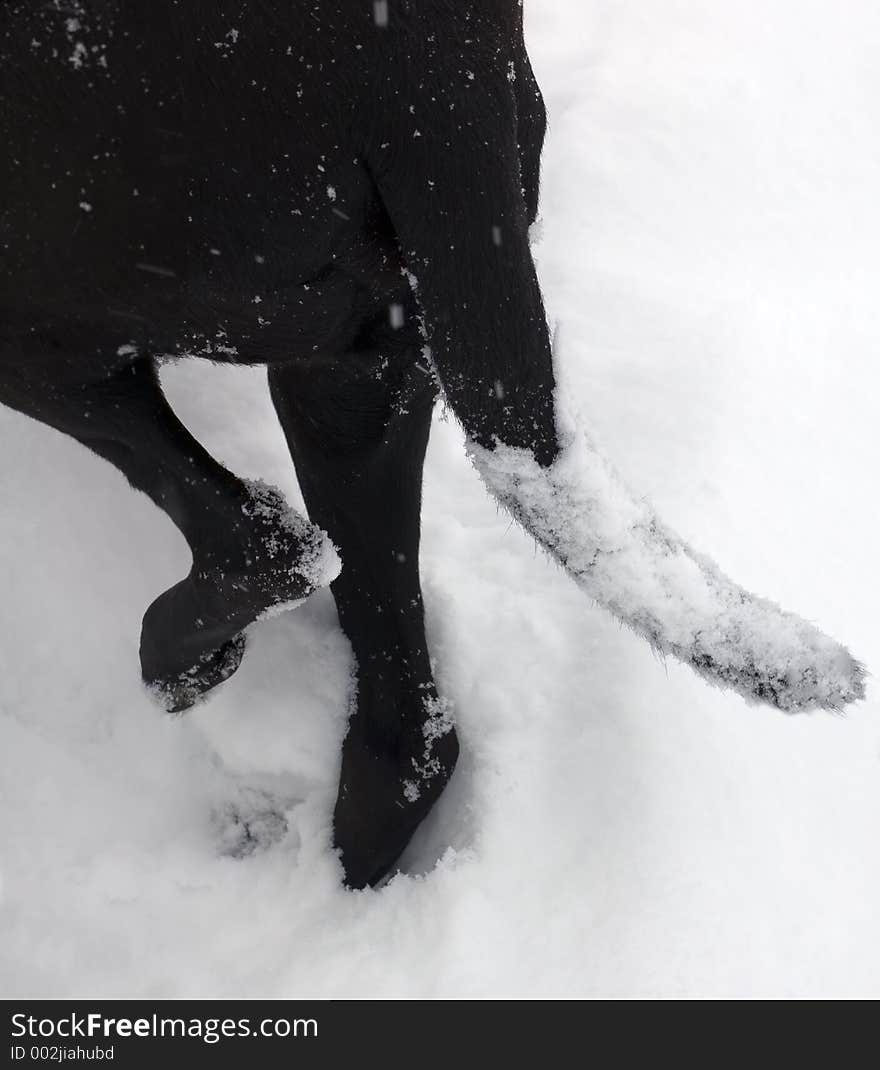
318	562
623	556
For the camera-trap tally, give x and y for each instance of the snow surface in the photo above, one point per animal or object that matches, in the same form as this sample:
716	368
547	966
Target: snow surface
711	255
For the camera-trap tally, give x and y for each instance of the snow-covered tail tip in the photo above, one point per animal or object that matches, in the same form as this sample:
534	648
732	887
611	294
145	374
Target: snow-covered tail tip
319	562
623	556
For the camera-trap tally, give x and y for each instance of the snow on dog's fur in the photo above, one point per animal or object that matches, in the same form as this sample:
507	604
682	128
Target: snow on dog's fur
615	547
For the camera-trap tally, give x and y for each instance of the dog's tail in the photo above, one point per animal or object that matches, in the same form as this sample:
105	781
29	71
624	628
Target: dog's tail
447	160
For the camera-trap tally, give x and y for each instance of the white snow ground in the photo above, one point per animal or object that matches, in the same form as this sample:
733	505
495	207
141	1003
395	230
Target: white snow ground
711	254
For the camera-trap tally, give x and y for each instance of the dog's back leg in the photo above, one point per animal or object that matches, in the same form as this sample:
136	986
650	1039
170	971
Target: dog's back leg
249	552
358	428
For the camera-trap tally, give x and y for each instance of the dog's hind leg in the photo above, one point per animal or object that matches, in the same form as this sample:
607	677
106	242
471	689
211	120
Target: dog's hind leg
250	552
358	429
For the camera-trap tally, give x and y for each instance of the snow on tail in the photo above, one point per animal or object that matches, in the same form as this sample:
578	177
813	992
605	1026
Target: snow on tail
623	556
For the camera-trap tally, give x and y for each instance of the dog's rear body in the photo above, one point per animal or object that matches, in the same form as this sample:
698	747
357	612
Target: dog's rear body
187	179
269	182
341	191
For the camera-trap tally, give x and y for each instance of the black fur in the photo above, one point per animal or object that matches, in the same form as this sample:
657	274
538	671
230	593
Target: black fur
306	186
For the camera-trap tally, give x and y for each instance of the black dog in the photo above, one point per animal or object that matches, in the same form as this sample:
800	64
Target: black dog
342	191
322	188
